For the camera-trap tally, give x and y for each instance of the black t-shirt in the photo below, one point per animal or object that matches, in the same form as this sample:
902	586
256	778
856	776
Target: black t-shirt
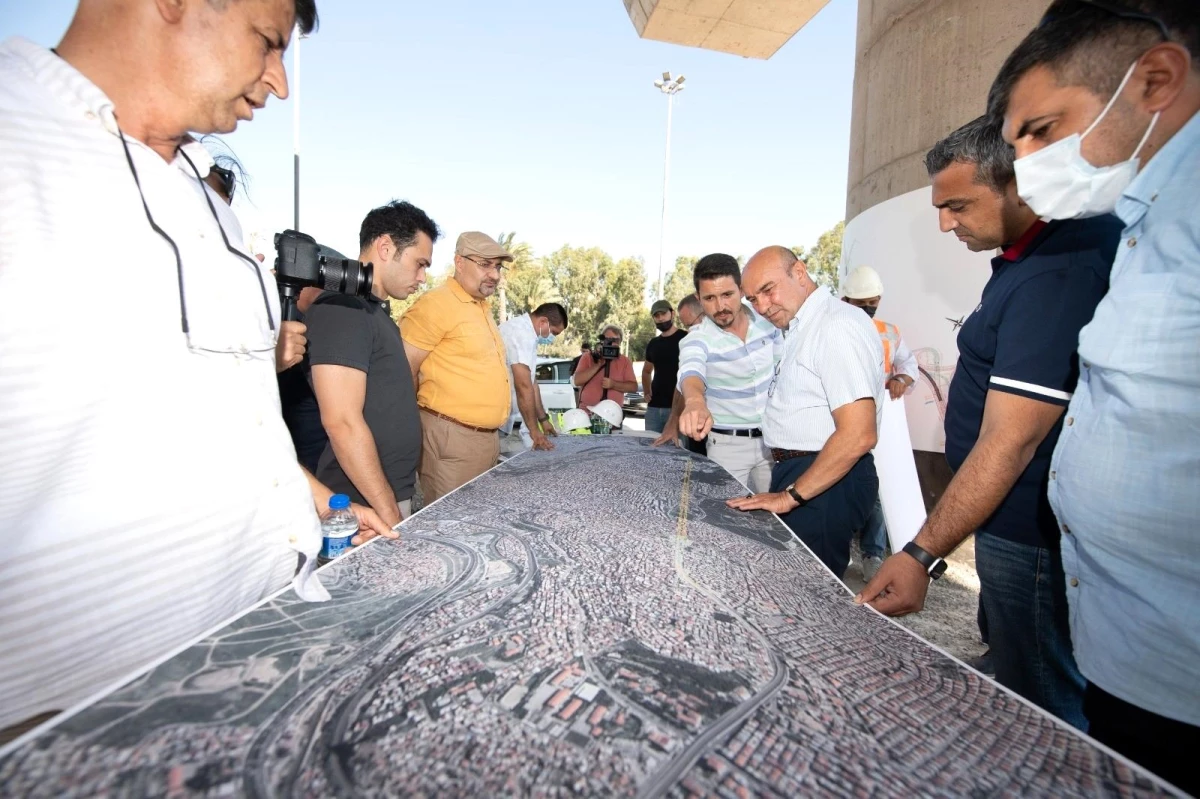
663	352
359	333
1022	339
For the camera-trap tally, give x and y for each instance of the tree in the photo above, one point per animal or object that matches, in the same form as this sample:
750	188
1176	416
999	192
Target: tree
596	291
824	257
431	281
521	282
679	282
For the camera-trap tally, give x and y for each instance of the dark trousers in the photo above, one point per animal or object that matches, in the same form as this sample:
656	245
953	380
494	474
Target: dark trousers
1162	745
1024	596
829	521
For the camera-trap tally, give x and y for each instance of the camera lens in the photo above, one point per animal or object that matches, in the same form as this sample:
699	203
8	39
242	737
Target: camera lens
347	277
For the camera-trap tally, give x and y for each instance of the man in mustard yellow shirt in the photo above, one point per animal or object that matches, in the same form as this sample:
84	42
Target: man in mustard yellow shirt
458	364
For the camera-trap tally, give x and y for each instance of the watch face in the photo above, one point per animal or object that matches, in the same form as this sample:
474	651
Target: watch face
938	570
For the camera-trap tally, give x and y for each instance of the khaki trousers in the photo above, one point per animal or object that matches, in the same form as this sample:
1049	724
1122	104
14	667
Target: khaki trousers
452	455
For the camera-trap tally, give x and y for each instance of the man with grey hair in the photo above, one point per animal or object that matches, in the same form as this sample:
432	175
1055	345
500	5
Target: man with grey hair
605	373
1016	370
691	311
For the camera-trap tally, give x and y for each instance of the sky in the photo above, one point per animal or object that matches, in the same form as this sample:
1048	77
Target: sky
541	117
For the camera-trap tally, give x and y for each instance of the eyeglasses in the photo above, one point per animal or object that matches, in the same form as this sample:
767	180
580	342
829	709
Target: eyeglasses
228	181
488	266
261	347
774	380
1117	10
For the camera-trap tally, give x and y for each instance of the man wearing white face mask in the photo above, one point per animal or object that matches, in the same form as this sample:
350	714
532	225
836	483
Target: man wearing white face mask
1100	103
1016	369
522	336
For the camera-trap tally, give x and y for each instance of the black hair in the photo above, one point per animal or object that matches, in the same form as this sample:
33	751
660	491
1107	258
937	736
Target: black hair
1091	43
399	220
553	313
718	264
305	12
306	16
978	142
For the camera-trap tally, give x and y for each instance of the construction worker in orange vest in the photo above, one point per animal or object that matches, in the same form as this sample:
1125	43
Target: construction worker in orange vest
862	287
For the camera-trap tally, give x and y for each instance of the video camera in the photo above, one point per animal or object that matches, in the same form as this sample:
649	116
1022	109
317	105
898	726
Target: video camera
607	349
300	262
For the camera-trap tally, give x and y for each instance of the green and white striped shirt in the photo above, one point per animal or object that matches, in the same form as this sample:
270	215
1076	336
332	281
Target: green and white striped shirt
736	374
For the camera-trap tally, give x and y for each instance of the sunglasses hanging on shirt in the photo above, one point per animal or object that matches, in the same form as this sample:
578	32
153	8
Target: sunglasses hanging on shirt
183	313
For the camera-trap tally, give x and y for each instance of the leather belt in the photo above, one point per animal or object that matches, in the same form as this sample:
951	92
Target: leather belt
752	433
452	420
780	455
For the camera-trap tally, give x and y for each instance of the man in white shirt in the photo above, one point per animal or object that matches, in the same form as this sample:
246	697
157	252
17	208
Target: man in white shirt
522	336
822	414
150	489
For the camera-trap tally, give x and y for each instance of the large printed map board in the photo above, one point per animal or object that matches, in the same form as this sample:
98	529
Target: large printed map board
553	629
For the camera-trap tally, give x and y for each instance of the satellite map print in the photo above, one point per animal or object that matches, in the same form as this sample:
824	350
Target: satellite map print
587	621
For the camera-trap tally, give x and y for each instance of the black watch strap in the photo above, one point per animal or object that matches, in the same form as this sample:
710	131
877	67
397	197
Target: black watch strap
796	496
934	566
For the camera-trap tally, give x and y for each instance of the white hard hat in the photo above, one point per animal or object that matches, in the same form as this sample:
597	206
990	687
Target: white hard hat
862	283
609	411
576	419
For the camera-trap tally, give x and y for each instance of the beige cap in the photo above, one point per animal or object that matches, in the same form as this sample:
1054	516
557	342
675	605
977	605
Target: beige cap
482	245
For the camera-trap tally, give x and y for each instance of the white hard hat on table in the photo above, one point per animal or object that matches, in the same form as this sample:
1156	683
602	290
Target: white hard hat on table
609	411
862	283
576	419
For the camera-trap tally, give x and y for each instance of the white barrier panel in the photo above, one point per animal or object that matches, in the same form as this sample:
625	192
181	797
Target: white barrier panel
899	489
931	283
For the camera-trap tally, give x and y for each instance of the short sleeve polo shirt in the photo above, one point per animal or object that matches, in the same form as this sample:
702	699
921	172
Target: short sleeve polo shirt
1022	339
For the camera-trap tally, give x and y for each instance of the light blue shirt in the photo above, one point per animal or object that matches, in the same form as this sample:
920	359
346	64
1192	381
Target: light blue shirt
1125	477
736	373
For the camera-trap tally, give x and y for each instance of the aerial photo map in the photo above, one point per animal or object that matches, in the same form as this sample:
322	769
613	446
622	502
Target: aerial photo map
587	621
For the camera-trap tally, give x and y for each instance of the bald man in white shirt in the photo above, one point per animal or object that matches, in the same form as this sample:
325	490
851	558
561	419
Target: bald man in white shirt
822	415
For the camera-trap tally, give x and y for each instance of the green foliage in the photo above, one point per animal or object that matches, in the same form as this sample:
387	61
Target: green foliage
824	257
679	282
596	291
431	281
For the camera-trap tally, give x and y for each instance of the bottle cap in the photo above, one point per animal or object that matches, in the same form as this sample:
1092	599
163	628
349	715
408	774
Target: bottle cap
339	502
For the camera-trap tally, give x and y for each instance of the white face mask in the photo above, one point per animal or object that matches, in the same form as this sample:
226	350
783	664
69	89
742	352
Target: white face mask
1057	182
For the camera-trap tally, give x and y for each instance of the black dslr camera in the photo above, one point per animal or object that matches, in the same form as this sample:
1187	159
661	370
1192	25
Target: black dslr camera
607	349
300	262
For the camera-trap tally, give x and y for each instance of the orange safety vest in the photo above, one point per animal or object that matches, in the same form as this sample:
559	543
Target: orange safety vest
889	334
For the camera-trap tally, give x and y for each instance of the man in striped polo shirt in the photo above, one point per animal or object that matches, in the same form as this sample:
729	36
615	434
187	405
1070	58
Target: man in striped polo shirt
725	369
822	415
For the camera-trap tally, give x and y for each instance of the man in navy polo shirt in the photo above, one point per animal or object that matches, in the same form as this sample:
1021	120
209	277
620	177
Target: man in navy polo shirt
1016	370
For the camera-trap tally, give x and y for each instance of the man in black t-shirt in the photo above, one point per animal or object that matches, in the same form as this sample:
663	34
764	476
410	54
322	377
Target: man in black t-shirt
360	373
662	366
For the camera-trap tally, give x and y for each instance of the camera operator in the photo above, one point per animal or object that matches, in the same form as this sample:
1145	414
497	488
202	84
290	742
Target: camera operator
604	373
360	374
147	461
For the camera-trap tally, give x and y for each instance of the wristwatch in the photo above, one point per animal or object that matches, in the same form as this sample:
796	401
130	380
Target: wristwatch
800	501
934	566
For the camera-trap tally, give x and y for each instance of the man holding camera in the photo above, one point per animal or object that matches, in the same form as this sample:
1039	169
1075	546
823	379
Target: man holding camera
360	374
604	373
458	363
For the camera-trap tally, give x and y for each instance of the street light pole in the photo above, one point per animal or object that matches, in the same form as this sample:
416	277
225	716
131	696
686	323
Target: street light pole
670	87
296	130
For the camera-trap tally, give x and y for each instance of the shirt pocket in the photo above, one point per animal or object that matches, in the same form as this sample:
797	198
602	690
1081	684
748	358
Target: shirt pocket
1139	327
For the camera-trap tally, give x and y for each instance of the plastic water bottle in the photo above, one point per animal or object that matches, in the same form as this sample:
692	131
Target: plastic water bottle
338	528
